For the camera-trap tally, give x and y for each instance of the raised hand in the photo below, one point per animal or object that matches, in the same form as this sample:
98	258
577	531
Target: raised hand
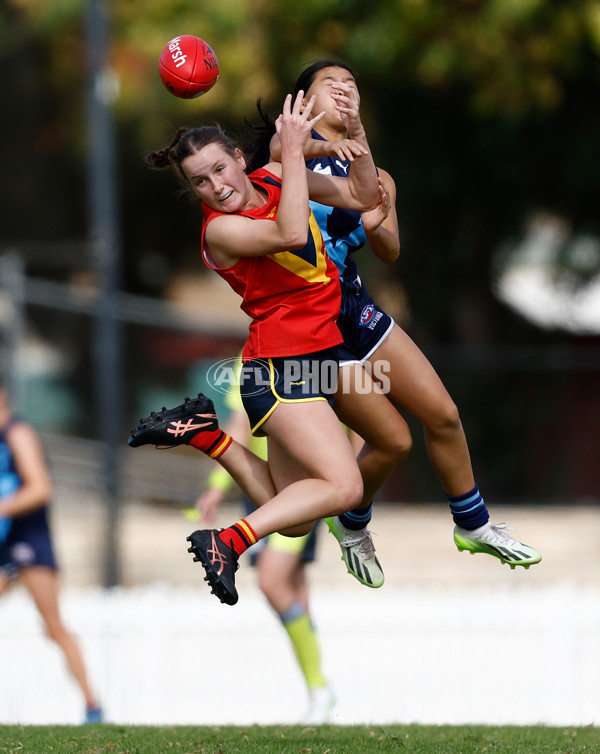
374	217
345	149
294	125
347	103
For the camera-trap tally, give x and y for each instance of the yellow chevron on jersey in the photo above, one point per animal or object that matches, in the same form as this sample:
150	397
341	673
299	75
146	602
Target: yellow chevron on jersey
310	262
292	297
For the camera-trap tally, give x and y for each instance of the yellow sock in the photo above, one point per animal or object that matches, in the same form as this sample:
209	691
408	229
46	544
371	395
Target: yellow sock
305	641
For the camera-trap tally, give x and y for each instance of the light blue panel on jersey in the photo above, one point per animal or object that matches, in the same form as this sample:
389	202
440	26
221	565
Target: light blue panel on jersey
4	528
9	483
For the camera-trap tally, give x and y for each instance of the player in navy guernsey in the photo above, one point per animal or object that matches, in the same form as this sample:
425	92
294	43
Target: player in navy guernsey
377	350
26	550
342	229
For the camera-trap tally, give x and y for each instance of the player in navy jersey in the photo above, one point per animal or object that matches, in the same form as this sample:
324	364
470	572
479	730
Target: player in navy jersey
26	550
377	351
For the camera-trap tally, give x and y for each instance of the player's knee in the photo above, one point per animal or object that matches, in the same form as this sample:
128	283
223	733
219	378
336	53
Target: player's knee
399	446
446	419
267	581
297	531
349	494
393	448
56	632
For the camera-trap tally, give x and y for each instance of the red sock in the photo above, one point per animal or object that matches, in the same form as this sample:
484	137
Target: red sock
214	443
240	536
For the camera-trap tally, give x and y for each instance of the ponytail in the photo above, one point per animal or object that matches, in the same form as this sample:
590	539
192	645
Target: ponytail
166	157
258	152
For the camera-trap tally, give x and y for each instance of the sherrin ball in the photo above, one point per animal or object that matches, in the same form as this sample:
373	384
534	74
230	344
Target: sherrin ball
188	67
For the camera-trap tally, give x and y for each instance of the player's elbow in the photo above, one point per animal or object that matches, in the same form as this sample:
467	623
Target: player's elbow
392	253
43	492
295	240
385	246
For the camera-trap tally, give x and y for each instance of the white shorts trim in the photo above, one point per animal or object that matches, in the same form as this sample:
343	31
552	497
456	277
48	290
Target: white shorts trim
348	362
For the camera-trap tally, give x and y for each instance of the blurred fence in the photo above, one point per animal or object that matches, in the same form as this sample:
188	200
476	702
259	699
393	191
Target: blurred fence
144	474
529	409
165	655
55	372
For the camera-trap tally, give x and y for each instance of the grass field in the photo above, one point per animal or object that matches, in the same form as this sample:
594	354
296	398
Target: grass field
412	739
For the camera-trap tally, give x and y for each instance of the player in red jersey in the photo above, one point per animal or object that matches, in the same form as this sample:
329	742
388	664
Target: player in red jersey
259	234
268	284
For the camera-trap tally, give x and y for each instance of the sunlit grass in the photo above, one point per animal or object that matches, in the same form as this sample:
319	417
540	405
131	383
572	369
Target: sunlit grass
416	739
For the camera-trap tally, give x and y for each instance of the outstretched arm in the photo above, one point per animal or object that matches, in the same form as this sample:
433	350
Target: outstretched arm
345	149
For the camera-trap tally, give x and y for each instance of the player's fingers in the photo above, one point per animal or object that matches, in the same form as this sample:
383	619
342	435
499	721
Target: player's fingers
316	119
345	153
308	107
298	105
357	149
287	105
340	86
384	201
350	91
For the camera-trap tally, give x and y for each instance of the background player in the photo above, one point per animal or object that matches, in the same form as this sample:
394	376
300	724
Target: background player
27	552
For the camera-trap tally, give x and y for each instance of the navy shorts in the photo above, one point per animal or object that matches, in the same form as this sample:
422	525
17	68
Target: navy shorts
28	544
265	383
364	326
304	546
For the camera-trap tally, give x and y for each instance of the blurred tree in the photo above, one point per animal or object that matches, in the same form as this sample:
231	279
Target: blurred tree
464	100
483	110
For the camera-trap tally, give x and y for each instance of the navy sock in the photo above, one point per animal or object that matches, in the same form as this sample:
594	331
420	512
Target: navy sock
468	510
357	518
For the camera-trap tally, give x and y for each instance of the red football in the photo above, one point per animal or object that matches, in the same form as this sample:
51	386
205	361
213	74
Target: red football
188	67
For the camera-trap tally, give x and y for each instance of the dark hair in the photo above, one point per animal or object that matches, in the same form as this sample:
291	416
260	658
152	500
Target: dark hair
257	153
306	78
188	141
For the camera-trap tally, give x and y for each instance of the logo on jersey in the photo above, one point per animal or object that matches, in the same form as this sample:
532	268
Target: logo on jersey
369	317
23	554
318	168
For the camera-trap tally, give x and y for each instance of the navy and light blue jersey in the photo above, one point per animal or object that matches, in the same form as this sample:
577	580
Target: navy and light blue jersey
364	326
27	542
10	481
341	229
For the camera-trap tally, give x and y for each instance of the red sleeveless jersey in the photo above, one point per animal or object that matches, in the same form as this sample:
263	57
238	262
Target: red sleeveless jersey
292	297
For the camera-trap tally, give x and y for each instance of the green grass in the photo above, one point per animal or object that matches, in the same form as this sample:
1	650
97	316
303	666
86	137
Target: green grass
412	739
